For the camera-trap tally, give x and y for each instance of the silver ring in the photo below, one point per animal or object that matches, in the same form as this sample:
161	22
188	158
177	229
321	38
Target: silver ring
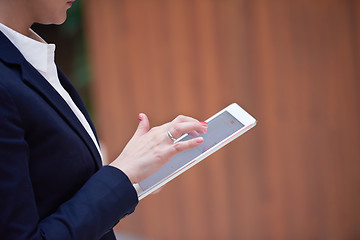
171	136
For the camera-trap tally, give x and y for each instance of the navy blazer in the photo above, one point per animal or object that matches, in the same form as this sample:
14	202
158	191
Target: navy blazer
52	183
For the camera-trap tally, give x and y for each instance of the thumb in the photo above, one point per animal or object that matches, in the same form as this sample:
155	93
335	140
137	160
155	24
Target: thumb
143	126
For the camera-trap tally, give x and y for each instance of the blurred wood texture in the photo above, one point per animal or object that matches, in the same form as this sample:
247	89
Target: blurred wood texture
294	65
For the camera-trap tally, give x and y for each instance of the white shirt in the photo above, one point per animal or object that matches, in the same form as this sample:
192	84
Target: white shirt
42	57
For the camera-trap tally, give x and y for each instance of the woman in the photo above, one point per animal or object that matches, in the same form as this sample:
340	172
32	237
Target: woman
52	183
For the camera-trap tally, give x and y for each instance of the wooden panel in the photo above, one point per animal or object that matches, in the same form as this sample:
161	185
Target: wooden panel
293	64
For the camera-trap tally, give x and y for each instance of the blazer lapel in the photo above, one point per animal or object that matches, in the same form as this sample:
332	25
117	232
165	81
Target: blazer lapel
79	103
76	98
33	78
11	55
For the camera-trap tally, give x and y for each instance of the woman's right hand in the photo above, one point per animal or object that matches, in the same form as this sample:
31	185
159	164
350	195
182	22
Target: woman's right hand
148	150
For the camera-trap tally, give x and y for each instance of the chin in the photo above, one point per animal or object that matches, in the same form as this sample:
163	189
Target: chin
55	20
60	20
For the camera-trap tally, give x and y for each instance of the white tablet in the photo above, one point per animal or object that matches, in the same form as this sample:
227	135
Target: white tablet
223	128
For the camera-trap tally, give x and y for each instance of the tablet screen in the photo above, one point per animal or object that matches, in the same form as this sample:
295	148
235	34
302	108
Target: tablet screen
220	127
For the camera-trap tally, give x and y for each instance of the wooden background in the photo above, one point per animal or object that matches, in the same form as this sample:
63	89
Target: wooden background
294	65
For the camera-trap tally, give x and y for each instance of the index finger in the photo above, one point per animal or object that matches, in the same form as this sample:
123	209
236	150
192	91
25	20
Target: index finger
179	129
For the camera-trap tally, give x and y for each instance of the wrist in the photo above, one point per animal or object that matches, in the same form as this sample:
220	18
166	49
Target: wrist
126	170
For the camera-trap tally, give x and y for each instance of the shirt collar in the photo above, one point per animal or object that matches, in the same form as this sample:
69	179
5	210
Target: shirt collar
38	54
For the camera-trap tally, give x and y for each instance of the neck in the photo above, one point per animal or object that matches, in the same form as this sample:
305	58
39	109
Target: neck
13	14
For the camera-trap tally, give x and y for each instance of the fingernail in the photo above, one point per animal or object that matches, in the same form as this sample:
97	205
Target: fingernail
139	117
199	140
205	124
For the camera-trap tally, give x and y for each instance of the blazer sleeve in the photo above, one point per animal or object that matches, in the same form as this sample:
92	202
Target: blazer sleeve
103	200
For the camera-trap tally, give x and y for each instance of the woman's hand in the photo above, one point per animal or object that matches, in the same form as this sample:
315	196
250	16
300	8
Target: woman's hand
148	150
